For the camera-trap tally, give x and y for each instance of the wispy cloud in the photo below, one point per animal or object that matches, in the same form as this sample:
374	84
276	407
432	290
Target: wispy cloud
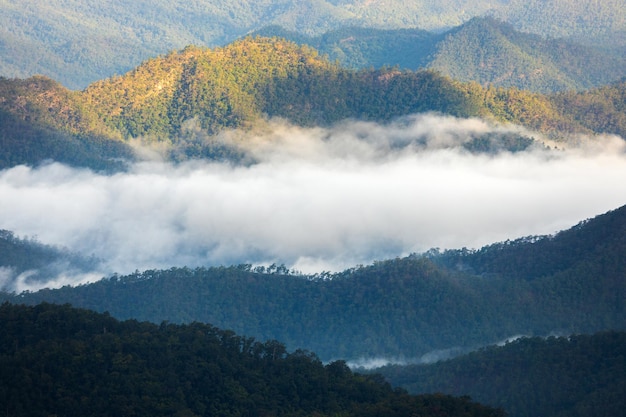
317	199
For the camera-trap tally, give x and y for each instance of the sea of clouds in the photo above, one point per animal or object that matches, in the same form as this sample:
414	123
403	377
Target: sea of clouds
316	199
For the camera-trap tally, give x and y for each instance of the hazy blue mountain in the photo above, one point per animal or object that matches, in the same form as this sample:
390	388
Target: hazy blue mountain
78	42
484	50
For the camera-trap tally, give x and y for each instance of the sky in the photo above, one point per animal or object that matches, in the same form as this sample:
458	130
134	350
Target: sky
316	199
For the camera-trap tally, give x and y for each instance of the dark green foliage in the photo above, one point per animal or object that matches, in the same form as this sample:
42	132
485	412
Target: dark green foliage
495	142
572	282
599	238
555	377
56	360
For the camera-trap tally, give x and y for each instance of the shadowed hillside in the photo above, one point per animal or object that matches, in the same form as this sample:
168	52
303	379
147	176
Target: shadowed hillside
55	359
571	282
574	376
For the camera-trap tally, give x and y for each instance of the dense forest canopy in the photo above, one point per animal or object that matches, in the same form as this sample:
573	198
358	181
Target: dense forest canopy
578	375
64	361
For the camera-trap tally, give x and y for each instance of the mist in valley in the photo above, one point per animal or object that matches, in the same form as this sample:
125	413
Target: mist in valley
314	199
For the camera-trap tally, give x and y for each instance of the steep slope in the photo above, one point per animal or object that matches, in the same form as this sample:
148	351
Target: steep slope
397	308
574	376
55	359
591	239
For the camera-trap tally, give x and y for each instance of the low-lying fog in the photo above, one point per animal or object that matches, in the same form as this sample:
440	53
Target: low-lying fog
316	199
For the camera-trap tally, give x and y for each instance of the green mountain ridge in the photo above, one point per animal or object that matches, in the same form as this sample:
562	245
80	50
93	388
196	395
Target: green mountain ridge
403	307
247	82
42	121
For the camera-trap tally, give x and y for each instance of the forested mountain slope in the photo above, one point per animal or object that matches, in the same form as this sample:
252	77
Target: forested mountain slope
259	77
78	42
483	50
491	52
63	361
599	109
599	238
573	376
40	121
404	307
182	100
233	86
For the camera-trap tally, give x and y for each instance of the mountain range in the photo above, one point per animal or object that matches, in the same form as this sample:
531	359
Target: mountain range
483	50
78	43
150	115
166	99
410	307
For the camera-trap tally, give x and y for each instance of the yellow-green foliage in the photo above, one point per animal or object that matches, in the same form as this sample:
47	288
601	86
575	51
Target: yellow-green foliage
253	78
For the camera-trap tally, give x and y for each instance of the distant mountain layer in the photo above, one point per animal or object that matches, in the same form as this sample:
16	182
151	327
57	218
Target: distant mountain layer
27	260
574	376
78	42
572	282
56	360
483	50
183	99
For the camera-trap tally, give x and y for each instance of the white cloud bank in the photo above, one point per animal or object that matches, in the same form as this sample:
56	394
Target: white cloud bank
317	199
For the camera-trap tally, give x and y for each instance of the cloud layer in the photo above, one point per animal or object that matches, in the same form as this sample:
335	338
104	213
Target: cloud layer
317	199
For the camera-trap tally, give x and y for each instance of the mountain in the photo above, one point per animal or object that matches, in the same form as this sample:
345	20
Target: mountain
63	361
483	50
571	282
491	52
179	102
79	42
235	85
576	376
42	121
